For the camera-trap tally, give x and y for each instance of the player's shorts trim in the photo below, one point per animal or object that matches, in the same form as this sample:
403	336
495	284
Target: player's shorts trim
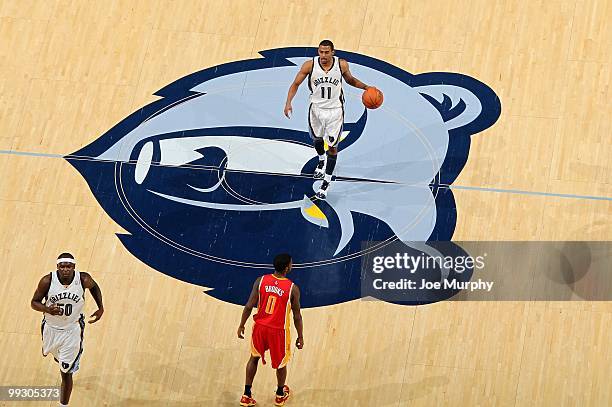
337	140
75	363
287	356
254	352
42	337
312	133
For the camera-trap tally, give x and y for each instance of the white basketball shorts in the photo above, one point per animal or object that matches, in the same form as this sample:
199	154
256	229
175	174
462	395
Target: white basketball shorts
326	123
66	345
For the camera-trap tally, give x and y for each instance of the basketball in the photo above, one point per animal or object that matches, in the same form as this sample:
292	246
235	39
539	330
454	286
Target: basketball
372	98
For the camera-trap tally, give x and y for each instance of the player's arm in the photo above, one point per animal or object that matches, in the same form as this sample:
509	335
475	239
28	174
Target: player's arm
248	308
299	78
41	292
297	316
348	76
94	289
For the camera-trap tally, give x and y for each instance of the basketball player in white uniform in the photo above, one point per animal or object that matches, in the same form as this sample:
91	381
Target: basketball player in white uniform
63	292
326	112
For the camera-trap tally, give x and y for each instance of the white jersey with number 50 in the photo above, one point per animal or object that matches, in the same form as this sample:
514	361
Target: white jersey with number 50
326	87
70	299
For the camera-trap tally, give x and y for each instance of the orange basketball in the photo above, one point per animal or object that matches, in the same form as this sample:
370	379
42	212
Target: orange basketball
372	98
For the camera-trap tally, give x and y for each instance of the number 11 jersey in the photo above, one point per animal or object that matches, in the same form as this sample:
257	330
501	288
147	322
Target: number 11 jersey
326	87
274	306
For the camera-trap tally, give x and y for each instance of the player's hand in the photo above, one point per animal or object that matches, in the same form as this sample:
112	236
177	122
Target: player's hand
55	310
299	343
288	110
241	332
96	316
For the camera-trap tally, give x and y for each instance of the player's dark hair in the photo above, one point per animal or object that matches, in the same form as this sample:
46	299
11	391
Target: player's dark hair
281	261
327	43
70	256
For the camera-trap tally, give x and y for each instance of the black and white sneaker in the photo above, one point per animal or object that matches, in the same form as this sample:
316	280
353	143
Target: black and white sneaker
322	192
320	171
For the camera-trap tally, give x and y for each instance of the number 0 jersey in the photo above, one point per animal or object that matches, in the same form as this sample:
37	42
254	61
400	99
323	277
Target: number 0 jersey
70	299
326	87
274	306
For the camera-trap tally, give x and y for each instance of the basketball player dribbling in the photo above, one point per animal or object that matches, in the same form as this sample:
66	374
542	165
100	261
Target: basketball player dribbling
63	322
275	297
326	111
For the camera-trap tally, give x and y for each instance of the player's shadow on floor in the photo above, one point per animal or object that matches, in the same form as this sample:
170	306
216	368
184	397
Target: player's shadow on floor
381	395
186	382
363	394
196	388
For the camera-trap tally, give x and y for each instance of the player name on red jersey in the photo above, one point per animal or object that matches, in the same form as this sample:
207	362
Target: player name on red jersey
275	289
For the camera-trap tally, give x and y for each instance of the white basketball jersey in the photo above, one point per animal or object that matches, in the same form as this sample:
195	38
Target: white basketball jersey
326	87
70	299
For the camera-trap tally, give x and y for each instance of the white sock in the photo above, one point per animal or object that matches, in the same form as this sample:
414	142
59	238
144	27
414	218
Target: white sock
327	177
321	157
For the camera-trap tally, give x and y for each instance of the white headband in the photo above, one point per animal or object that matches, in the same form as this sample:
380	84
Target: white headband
66	260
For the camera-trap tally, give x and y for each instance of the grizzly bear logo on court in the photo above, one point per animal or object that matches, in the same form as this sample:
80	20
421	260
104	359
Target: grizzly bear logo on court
211	181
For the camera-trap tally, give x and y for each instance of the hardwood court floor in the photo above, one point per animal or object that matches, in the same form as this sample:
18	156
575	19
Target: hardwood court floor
70	70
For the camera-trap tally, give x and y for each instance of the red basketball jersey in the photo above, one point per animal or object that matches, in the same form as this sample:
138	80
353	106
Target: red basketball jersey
274	304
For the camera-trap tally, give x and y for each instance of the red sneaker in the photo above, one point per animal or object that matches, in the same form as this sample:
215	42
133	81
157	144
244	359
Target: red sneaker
280	400
247	401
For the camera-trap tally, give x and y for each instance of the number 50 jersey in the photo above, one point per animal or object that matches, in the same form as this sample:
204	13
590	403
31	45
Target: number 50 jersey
70	299
274	306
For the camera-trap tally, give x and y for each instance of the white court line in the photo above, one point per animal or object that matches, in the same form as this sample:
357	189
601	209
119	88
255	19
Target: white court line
457	187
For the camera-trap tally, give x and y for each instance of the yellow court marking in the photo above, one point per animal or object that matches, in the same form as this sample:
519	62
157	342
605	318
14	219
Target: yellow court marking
315	212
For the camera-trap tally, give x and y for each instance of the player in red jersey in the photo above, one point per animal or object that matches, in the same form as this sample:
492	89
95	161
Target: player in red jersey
275	297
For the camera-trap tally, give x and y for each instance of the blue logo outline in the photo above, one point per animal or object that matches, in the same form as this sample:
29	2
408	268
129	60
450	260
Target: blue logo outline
179	91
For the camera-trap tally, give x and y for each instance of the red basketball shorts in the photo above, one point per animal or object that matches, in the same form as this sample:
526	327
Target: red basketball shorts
277	341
